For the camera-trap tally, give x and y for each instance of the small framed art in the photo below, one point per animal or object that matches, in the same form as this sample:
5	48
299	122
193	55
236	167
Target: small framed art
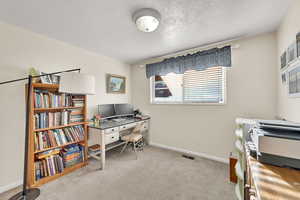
45	78
294	82
115	84
283	59
291	53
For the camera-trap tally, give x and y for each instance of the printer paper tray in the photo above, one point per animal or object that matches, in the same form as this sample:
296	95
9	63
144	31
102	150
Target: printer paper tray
279	146
279	161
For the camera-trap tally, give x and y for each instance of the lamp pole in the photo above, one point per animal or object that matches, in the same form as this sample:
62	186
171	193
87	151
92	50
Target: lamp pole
32	193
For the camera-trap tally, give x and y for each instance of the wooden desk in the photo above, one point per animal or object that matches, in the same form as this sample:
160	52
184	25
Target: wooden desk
271	182
115	129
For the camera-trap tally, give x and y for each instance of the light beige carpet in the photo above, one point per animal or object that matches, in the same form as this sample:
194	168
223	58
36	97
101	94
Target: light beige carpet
157	175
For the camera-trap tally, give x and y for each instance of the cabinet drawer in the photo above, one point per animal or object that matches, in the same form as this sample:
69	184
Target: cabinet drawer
127	126
111	130
112	137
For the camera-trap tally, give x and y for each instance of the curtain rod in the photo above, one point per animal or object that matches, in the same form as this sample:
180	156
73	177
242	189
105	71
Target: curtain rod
189	51
26	78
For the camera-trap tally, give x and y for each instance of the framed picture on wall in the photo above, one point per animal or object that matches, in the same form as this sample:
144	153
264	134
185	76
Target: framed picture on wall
291	53
283	78
298	44
283	59
294	82
55	79
45	78
115	84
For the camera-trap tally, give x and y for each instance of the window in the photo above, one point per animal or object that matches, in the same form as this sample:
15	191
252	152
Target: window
207	86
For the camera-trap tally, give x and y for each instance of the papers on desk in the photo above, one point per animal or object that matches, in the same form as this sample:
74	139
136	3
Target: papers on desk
119	119
142	117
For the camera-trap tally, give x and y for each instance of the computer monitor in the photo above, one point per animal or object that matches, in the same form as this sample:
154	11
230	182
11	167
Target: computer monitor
106	110
124	109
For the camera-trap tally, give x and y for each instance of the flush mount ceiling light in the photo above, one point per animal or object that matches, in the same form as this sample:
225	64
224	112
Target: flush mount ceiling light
146	19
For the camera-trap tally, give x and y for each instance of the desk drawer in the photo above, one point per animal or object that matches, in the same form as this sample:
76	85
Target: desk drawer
127	126
112	137
111	130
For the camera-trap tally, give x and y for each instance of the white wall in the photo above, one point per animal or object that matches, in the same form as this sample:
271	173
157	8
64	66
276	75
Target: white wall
251	92
288	108
21	49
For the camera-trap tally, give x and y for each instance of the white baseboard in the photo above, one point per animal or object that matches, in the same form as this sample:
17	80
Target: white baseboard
203	155
10	186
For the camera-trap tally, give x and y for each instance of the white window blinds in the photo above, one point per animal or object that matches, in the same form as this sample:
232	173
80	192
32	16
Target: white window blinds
207	86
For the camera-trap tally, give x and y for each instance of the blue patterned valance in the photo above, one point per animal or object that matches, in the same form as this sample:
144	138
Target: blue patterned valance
197	61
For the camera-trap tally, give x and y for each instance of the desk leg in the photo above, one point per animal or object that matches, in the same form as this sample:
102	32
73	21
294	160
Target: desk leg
102	150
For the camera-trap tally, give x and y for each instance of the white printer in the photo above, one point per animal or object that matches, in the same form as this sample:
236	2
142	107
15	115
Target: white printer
277	142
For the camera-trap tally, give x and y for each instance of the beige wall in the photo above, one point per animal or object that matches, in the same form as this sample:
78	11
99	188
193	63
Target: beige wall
251	92
20	50
288	107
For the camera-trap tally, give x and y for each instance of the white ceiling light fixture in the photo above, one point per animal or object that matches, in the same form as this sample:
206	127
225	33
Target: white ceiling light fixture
146	19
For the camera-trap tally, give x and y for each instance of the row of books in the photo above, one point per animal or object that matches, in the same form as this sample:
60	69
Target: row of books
72	155
45	99
58	137
51	119
55	161
49	166
76	115
76	118
78	101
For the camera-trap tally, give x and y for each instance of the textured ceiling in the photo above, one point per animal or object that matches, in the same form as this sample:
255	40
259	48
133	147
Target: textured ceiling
106	27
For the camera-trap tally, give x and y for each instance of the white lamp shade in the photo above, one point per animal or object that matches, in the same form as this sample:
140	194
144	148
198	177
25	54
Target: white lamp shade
77	83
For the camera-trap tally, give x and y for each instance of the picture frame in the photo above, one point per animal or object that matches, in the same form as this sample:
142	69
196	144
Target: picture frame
291	53
283	78
55	79
115	84
283	60
293	78
298	44
45	79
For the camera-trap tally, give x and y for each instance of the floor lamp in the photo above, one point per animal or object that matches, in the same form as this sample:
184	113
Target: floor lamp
75	83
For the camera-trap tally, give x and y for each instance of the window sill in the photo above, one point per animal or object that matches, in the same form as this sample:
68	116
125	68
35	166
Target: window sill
294	95
195	104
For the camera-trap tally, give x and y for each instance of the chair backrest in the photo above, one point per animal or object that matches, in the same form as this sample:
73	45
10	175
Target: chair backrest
137	129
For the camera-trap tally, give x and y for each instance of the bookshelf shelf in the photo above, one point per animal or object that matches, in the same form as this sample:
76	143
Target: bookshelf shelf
77	113
48	155
35	157
45	86
60	146
59	127
56	109
66	171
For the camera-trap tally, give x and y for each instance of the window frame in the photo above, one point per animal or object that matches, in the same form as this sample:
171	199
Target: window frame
152	92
